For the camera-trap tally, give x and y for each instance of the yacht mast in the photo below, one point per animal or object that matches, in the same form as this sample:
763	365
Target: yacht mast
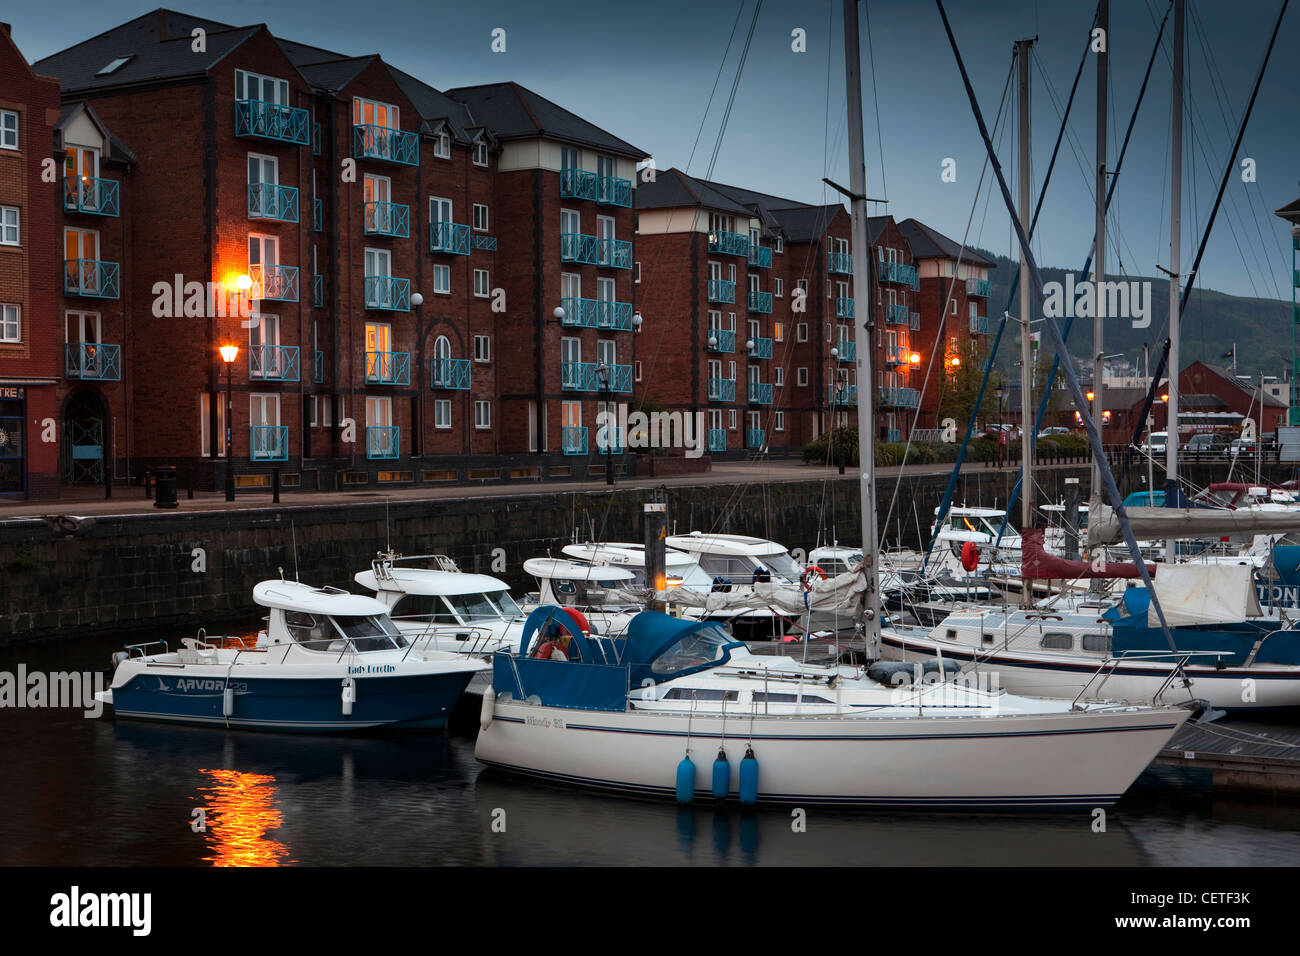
862	286
1175	306
1026	291
1099	259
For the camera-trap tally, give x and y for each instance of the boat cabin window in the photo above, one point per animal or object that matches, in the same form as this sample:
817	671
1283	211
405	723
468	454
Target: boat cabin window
584	593
1057	641
423	607
506	603
780	563
1099	643
740	570
833	567
761	697
698	647
370	633
308	630
700	693
473	607
988	638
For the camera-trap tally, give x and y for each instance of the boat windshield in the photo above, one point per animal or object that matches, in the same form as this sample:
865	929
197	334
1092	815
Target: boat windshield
781	564
369	632
507	604
703	646
473	607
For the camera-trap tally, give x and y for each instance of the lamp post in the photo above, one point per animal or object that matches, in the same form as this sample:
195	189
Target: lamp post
417	439
1001	393
602	376
228	355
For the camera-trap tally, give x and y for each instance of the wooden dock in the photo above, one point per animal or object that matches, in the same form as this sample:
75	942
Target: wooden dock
1240	754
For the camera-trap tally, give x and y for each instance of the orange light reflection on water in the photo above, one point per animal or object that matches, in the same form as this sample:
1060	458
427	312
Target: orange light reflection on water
240	808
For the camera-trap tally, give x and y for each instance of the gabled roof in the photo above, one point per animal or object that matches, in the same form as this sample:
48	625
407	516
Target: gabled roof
1290	212
809	223
149	57
515	112
435	107
928	243
1249	386
116	148
673	189
333	75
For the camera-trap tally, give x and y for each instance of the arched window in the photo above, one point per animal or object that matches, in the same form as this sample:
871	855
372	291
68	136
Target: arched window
441	360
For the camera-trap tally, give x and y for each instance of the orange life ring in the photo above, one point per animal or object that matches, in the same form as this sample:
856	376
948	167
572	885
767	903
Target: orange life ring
803	578
970	556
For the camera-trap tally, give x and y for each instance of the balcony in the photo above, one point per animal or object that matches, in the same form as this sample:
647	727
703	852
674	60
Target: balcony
846	351
722	290
614	253
485	242
383	441
580	313
449	373
388	294
388	219
897	315
729	243
318	291
717	439
449	237
573	440
388	368
722	389
915	323
760	393
97	197
274	283
577	184
273	363
576	247
842	395
268	442
273	121
609	439
93	361
92	278
386	145
759	302
272	201
979	287
897	272
318	366
760	257
582	377
317	215
979	325
612	191
895	355
614	316
724	340
843	308
893	396
755	438
762	348
839	262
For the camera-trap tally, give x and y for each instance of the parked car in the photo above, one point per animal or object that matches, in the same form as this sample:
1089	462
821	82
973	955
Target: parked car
1053	430
1241	446
1204	444
1155	443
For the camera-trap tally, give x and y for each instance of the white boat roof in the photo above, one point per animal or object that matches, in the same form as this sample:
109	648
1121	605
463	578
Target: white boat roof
965	512
732	544
832	551
575	570
431	581
624	553
294	596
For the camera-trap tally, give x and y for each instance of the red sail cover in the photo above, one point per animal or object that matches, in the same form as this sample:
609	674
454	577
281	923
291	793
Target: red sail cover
1037	565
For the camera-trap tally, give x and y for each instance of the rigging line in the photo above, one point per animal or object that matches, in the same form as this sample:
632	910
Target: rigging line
875	99
735	85
708	105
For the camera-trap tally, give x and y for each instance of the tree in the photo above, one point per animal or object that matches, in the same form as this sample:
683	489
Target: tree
961	383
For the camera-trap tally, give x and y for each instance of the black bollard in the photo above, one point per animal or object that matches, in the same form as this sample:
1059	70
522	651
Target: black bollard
165	485
275	485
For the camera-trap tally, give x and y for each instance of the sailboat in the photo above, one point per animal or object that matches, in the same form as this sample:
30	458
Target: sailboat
629	713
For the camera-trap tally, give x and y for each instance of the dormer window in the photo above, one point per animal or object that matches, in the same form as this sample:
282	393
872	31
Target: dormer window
115	64
480	154
442	145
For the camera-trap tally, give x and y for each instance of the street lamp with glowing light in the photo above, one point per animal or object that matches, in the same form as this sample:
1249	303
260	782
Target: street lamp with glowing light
228	355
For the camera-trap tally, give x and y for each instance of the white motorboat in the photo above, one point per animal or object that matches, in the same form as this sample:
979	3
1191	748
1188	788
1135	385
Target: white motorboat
599	593
328	661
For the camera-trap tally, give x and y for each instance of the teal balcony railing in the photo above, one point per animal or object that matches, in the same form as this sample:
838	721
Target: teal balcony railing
979	287
896	315
842	394
388	219
762	348
484	242
317	215
278	363
92	278
979	325
388	368
263	120
899	272
846	351
388	293
449	373
896	397
614	253
755	438
760	393
759	302
609	440
584	377
318	366
576	247
717	439
729	243
578	184
449	237
895	355
94	361
272	201
315	139
580	313
318	291
387	145
612	191
573	440
383	441
840	262
275	283
614	316
722	290
915	322
723	340
98	197
843	308
722	389
268	442
760	257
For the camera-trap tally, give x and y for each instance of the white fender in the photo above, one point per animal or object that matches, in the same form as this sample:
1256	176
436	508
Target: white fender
489	706
349	695
228	701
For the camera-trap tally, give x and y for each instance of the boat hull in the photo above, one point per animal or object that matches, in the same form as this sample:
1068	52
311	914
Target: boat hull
1065	760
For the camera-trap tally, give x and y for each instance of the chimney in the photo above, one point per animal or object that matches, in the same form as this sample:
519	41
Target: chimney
162	24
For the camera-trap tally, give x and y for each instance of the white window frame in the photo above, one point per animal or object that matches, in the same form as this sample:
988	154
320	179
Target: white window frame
731	419
778	245
778	376
483	414
392	113
483	348
11	317
9	138
636	272
801	332
442	421
801	376
11	218
442	145
444	272
487	218
778	421
281	87
480	149
486	285
205	400
778	288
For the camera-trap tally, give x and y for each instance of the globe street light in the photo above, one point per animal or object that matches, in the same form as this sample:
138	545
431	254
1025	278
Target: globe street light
228	355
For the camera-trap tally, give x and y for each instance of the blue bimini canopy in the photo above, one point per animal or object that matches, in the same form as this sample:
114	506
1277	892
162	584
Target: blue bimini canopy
661	647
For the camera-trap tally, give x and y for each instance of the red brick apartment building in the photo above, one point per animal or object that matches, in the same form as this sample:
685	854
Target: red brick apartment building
390	260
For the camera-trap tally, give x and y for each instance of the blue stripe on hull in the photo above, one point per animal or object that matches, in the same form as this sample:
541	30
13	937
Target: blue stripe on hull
303	704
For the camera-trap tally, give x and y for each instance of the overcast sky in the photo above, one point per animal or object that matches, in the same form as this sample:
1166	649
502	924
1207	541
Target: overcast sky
645	72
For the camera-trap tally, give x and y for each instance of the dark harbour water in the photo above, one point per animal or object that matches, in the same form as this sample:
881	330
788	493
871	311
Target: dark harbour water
97	792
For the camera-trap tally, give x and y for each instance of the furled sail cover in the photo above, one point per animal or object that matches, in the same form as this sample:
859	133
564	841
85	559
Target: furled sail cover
1205	594
841	594
1038	565
1157	524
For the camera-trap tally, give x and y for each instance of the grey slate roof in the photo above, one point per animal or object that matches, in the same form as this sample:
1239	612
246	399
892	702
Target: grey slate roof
928	243
435	106
672	189
512	111
333	74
